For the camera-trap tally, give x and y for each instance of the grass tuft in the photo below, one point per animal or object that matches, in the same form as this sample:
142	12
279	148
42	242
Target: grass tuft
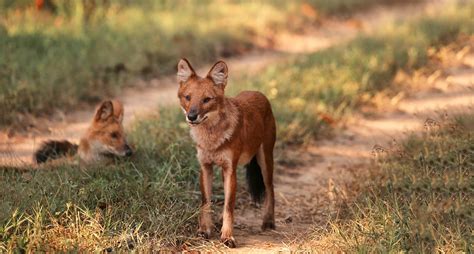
419	200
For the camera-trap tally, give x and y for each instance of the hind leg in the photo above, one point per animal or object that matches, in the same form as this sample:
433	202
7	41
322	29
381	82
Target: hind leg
265	161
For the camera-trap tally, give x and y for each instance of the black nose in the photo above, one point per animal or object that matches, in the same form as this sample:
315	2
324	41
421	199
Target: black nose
128	151
192	116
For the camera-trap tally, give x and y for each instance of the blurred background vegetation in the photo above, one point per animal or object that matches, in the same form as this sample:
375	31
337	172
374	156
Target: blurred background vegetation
59	53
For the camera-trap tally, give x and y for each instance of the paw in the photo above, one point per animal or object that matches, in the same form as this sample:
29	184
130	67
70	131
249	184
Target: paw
204	234
268	225
229	242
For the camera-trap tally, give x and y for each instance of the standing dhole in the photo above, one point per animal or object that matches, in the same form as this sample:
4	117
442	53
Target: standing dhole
228	132
104	139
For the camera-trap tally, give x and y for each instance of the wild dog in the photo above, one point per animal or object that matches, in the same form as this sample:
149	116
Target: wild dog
228	132
105	138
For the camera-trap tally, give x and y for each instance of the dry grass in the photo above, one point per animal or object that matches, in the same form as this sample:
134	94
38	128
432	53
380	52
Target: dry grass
418	199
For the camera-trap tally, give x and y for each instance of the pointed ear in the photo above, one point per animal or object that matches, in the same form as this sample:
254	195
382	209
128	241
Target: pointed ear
185	71
218	73
118	110
104	111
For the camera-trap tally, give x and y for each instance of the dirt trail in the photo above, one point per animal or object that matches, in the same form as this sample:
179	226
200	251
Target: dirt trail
145	97
17	149
304	193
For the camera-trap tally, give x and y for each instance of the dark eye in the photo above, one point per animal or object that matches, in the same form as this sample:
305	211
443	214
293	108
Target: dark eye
206	100
187	97
114	135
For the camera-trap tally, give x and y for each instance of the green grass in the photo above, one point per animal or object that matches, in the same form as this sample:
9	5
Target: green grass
151	200
80	55
416	201
127	203
58	61
338	80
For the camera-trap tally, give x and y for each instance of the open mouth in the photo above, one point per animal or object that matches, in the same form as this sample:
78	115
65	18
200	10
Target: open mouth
198	122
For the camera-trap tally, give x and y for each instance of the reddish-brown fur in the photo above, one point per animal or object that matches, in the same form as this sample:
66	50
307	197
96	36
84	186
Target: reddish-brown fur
104	138
227	132
106	135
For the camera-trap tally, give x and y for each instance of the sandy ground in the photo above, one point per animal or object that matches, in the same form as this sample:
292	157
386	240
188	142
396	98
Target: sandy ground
305	192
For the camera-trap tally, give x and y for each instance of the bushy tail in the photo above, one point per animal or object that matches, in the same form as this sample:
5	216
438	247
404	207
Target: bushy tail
53	149
255	180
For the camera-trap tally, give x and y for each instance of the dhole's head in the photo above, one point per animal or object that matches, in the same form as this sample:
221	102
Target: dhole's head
200	98
106	135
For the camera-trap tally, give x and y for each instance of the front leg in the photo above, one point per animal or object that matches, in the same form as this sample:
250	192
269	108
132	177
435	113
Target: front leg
230	185
205	218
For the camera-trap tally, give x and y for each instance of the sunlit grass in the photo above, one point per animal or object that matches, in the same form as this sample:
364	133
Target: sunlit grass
115	206
417	200
314	90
